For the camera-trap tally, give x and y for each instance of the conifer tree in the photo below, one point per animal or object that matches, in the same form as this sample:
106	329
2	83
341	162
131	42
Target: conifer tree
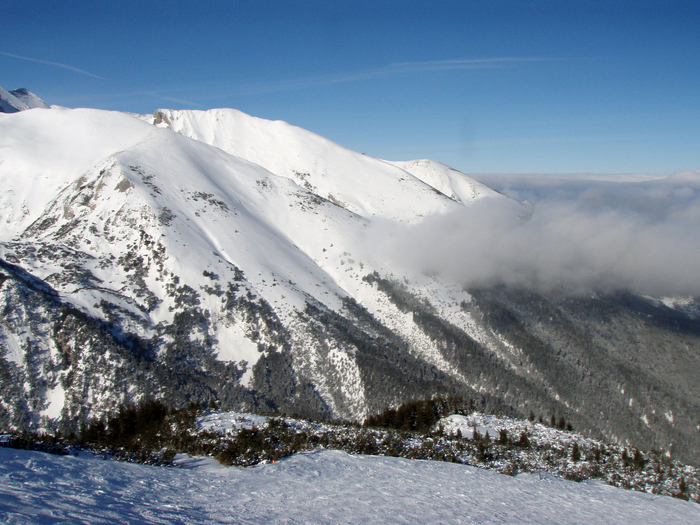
476	436
524	441
575	453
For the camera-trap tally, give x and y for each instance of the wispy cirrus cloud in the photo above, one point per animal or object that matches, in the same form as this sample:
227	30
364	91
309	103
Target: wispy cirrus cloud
466	63
157	95
400	68
56	64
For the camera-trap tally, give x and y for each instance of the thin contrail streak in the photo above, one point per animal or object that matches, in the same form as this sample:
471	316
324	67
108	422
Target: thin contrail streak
391	69
57	64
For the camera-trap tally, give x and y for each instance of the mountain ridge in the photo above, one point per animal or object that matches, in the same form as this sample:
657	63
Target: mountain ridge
164	265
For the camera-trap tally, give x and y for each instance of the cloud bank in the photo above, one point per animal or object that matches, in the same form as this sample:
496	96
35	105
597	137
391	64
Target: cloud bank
572	236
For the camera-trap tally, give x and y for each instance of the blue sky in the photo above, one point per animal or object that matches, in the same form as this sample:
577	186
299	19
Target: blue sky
486	87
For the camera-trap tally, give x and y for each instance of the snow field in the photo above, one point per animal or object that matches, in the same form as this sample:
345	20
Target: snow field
318	487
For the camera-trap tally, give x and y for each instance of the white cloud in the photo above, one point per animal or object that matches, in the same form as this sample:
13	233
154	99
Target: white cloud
578	237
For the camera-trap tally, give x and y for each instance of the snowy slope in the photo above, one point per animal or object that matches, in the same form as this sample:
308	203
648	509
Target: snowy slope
364	185
319	487
456	185
221	205
115	179
45	151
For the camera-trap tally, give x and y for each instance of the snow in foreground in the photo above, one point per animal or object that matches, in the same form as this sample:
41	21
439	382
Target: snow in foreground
318	487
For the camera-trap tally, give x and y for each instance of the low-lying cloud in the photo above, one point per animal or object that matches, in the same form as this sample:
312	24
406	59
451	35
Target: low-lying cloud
572	236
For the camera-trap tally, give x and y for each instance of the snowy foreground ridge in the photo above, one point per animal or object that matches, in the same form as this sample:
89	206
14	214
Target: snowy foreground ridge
318	487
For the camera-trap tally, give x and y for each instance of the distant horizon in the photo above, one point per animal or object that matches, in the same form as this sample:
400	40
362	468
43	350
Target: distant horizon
499	87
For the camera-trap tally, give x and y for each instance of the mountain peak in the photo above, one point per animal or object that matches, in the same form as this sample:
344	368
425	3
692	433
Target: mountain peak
19	100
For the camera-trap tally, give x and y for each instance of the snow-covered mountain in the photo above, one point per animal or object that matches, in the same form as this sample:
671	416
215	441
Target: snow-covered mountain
19	100
364	185
196	256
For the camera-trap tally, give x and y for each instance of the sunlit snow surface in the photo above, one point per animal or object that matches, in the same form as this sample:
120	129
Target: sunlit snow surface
319	487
